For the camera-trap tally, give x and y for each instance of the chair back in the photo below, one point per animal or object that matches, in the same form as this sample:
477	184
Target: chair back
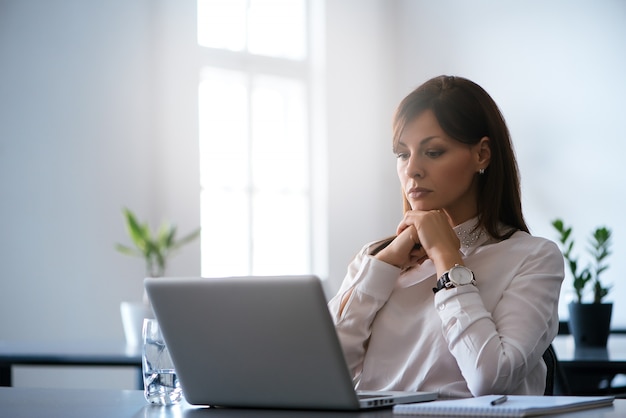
549	357
556	381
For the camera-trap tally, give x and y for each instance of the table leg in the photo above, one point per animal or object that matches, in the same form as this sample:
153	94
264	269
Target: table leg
5	375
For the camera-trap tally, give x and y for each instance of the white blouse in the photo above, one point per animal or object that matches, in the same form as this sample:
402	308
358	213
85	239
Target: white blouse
467	341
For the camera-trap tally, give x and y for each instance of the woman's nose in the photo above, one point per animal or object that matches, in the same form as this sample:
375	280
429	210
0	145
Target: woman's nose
413	168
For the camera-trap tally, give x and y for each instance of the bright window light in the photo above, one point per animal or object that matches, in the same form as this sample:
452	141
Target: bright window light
275	28
254	139
222	24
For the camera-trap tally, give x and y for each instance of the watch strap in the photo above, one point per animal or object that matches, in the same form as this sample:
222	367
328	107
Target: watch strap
442	282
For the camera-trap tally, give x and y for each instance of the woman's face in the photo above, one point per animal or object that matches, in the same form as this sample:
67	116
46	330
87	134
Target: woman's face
438	172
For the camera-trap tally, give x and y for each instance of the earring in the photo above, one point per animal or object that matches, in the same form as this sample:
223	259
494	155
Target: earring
481	171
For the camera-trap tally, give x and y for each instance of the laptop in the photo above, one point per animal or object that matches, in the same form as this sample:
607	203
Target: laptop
259	342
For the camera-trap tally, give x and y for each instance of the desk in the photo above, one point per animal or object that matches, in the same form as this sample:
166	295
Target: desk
77	403
93	353
586	368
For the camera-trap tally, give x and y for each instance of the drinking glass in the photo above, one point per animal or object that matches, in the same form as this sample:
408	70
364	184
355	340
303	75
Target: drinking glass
161	386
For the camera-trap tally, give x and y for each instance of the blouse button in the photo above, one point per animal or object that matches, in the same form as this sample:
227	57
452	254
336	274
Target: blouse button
441	306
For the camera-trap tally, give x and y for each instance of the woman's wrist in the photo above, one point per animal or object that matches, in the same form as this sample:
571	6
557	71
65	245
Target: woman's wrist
444	262
389	257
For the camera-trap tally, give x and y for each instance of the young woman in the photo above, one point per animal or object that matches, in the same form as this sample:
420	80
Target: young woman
462	300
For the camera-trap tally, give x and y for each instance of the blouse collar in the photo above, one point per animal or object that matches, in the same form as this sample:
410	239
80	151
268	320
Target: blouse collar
470	236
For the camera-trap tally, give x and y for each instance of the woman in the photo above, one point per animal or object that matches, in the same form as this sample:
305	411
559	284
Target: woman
463	300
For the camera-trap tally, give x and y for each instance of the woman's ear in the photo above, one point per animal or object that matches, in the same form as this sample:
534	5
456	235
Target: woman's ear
484	153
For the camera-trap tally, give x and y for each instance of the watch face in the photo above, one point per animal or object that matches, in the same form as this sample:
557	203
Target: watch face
460	275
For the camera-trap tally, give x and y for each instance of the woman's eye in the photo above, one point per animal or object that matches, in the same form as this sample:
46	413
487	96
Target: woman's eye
402	155
433	153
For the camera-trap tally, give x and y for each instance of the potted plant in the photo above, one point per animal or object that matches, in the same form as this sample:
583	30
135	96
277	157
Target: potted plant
589	323
155	247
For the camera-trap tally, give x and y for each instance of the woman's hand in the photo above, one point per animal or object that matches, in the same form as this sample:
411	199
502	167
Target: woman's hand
437	238
404	251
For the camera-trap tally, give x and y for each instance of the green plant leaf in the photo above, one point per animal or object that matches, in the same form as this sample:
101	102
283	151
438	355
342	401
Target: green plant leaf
186	239
168	236
127	250
156	247
139	234
598	249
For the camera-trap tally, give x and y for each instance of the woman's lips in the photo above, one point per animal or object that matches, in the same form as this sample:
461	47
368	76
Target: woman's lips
418	192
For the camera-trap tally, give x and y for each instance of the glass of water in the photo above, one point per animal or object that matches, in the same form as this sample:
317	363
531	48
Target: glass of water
161	386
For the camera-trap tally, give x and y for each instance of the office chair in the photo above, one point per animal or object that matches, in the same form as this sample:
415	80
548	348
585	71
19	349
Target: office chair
549	357
556	383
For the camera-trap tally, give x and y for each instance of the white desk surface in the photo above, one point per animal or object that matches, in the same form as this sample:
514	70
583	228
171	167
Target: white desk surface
69	403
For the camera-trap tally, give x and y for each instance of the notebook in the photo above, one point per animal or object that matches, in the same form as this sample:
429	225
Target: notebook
514	406
258	342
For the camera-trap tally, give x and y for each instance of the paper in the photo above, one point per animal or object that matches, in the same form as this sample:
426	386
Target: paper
514	406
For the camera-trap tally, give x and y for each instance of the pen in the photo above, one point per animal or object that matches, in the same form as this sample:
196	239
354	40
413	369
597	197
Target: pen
498	401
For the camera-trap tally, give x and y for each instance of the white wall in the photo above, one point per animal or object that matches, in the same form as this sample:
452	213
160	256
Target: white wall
77	143
556	70
96	113
177	167
364	196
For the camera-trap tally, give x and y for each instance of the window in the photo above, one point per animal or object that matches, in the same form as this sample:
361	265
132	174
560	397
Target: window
255	152
275	28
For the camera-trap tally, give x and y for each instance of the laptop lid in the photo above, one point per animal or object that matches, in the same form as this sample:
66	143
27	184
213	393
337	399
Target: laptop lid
257	342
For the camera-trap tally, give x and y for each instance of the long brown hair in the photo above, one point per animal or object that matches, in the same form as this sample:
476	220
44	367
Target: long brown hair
467	113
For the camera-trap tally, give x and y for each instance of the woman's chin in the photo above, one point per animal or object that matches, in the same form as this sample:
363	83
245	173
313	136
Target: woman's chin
421	206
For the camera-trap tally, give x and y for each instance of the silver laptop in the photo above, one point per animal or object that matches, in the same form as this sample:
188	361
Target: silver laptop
259	342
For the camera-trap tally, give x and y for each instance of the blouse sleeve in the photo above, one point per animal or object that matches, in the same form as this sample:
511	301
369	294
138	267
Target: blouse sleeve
366	286
499	334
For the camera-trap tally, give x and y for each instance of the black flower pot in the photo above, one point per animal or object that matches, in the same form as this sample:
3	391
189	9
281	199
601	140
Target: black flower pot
590	323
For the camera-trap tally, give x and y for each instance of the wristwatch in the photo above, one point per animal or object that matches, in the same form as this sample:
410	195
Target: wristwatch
456	276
